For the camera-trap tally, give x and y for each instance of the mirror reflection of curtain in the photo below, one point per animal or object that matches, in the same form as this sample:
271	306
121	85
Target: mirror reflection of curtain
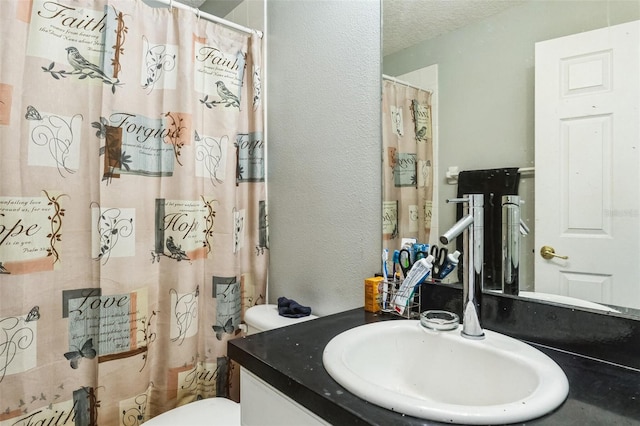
407	162
132	208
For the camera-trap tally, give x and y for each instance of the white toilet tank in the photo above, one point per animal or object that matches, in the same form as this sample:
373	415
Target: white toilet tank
205	412
266	317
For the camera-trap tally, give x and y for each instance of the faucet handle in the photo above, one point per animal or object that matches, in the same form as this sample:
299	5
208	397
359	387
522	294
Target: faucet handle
457	200
475	200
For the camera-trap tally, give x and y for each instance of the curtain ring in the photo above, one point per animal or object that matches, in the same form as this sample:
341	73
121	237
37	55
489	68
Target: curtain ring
197	13
171	5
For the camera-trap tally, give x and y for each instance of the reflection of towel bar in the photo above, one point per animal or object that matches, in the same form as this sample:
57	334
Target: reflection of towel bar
453	172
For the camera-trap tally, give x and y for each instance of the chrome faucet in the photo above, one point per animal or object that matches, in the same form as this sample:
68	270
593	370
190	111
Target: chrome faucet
512	229
472	227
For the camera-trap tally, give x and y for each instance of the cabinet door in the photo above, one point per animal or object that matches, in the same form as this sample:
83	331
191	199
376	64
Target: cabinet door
263	405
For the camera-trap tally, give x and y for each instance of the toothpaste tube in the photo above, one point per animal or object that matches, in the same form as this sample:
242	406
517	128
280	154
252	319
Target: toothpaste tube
418	273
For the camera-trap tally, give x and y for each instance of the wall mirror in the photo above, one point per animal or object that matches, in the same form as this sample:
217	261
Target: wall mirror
483	57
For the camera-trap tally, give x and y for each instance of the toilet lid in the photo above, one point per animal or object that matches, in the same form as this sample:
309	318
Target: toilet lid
266	317
210	411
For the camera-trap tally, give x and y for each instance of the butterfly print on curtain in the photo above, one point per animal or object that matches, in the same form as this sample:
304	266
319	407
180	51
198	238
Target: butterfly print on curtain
87	351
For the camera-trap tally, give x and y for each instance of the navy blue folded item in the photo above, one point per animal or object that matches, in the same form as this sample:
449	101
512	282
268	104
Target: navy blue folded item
291	309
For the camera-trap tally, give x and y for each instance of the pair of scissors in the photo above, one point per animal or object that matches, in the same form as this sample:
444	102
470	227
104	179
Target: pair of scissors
406	262
439	257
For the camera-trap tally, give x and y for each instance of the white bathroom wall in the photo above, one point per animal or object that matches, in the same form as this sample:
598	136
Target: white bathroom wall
324	157
249	13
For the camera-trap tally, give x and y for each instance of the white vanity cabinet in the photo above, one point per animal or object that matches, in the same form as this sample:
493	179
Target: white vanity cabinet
263	405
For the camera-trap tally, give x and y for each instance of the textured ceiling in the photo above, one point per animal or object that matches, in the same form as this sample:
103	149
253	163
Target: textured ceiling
220	8
407	22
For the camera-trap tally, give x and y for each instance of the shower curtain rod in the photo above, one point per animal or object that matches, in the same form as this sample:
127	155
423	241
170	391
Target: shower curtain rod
404	83
210	17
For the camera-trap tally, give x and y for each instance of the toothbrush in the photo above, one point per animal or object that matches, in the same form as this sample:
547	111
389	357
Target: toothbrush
385	257
385	274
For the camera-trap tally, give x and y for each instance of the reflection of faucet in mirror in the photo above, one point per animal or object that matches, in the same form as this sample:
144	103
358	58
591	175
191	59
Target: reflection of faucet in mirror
512	229
472	227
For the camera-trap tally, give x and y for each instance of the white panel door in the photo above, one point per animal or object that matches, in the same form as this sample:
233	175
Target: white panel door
587	153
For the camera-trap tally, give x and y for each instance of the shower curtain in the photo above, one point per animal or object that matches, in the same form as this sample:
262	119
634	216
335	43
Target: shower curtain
407	164
133	225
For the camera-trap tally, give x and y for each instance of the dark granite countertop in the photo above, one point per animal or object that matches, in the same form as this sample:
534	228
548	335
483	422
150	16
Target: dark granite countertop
290	359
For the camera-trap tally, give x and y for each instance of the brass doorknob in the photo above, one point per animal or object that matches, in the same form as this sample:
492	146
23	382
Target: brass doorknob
548	252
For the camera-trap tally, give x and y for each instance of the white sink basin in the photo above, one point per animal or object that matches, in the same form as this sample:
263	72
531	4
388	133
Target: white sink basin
442	376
